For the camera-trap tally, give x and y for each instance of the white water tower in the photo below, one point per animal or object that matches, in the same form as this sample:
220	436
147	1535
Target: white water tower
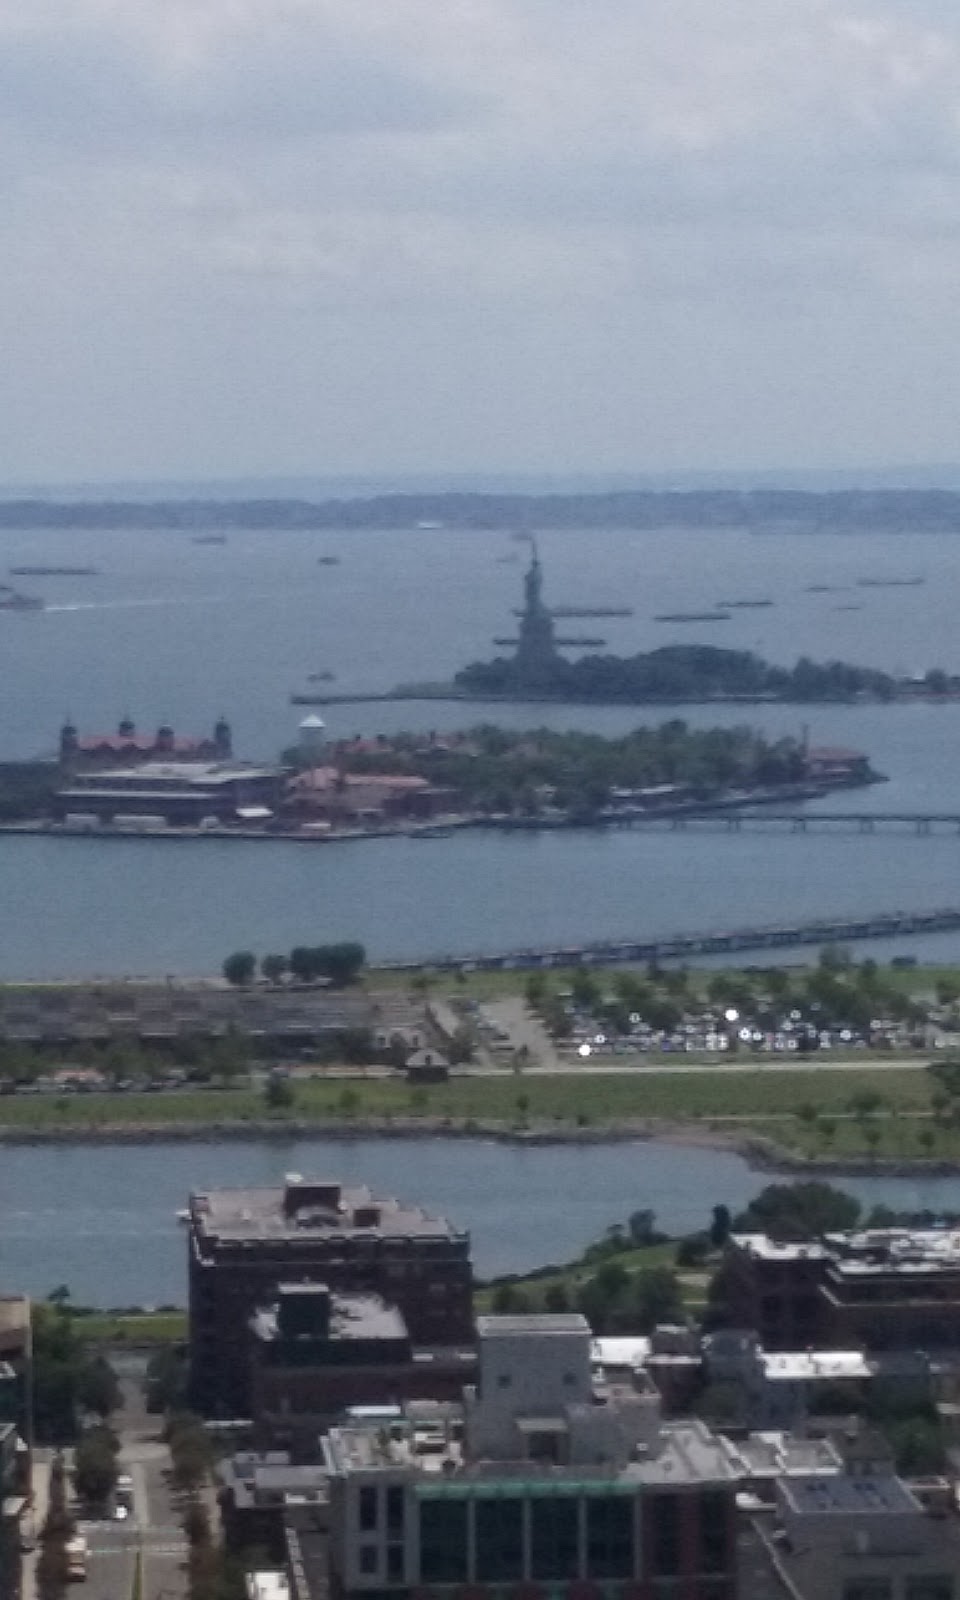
313	738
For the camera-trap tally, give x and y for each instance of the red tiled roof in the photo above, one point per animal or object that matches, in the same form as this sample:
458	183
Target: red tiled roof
320	779
141	743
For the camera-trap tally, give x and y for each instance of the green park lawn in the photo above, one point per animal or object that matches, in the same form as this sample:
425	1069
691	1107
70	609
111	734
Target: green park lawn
133	1327
812	1110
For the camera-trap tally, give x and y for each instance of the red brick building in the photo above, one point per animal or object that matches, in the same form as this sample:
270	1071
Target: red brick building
313	1354
127	747
243	1243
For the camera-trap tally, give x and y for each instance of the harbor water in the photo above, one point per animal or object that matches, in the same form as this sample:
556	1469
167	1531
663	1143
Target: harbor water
177	632
118	1242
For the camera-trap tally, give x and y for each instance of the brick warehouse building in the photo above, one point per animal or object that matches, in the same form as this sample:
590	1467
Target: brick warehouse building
881	1288
243	1243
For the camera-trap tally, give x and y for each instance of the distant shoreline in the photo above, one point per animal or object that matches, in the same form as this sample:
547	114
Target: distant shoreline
720	510
761	1154
428	694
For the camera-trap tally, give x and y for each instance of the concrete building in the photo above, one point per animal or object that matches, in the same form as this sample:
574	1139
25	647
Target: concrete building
544	1483
880	1289
16	1435
314	1353
14	1499
16	1365
175	792
243	1243
855	1535
784	1388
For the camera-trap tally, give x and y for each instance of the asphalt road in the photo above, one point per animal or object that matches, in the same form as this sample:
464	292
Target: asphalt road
154	1529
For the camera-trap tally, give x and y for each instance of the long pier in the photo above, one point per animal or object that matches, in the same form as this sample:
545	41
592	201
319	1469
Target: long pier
768	820
616	952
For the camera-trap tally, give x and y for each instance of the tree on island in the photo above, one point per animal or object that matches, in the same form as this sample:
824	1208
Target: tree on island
240	969
274	968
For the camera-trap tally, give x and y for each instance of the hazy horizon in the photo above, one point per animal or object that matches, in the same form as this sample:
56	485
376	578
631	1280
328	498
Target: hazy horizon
361	486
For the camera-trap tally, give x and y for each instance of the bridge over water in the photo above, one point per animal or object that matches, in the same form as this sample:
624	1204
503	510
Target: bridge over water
832	930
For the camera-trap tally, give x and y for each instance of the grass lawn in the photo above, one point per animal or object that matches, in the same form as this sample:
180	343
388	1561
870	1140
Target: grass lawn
919	980
570	1277
813	1112
146	1327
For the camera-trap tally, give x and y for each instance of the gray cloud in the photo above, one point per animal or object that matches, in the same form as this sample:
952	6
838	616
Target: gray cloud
490	232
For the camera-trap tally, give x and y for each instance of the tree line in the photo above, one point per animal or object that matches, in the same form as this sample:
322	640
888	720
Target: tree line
684	673
337	964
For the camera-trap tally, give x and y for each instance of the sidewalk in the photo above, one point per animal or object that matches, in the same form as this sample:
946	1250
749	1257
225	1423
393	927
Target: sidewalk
36	1517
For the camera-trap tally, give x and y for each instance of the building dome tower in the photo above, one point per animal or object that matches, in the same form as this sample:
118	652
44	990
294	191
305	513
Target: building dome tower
68	742
223	739
312	739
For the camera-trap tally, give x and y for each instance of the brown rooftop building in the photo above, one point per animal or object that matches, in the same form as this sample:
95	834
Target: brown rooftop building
881	1288
243	1243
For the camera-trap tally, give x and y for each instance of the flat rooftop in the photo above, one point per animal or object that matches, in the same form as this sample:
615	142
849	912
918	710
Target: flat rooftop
309	1210
767	1249
815	1365
534	1324
870	1252
433	1455
845	1495
621	1351
774	1455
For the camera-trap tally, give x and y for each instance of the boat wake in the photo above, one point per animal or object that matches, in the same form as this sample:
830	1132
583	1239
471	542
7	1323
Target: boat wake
154	601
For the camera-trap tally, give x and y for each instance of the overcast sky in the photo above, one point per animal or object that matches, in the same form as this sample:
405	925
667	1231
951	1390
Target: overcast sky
324	236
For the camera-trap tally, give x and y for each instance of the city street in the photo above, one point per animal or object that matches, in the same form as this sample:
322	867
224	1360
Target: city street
155	1528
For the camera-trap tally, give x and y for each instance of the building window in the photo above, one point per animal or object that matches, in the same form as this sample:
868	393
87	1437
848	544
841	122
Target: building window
499	1538
714	1533
396	1502
938	1586
554	1539
369	1511
503	1381
395	1563
609	1537
868	1589
369	1559
443	1541
664	1531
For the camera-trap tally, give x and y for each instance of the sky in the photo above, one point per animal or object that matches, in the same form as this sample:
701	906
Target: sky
262	237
